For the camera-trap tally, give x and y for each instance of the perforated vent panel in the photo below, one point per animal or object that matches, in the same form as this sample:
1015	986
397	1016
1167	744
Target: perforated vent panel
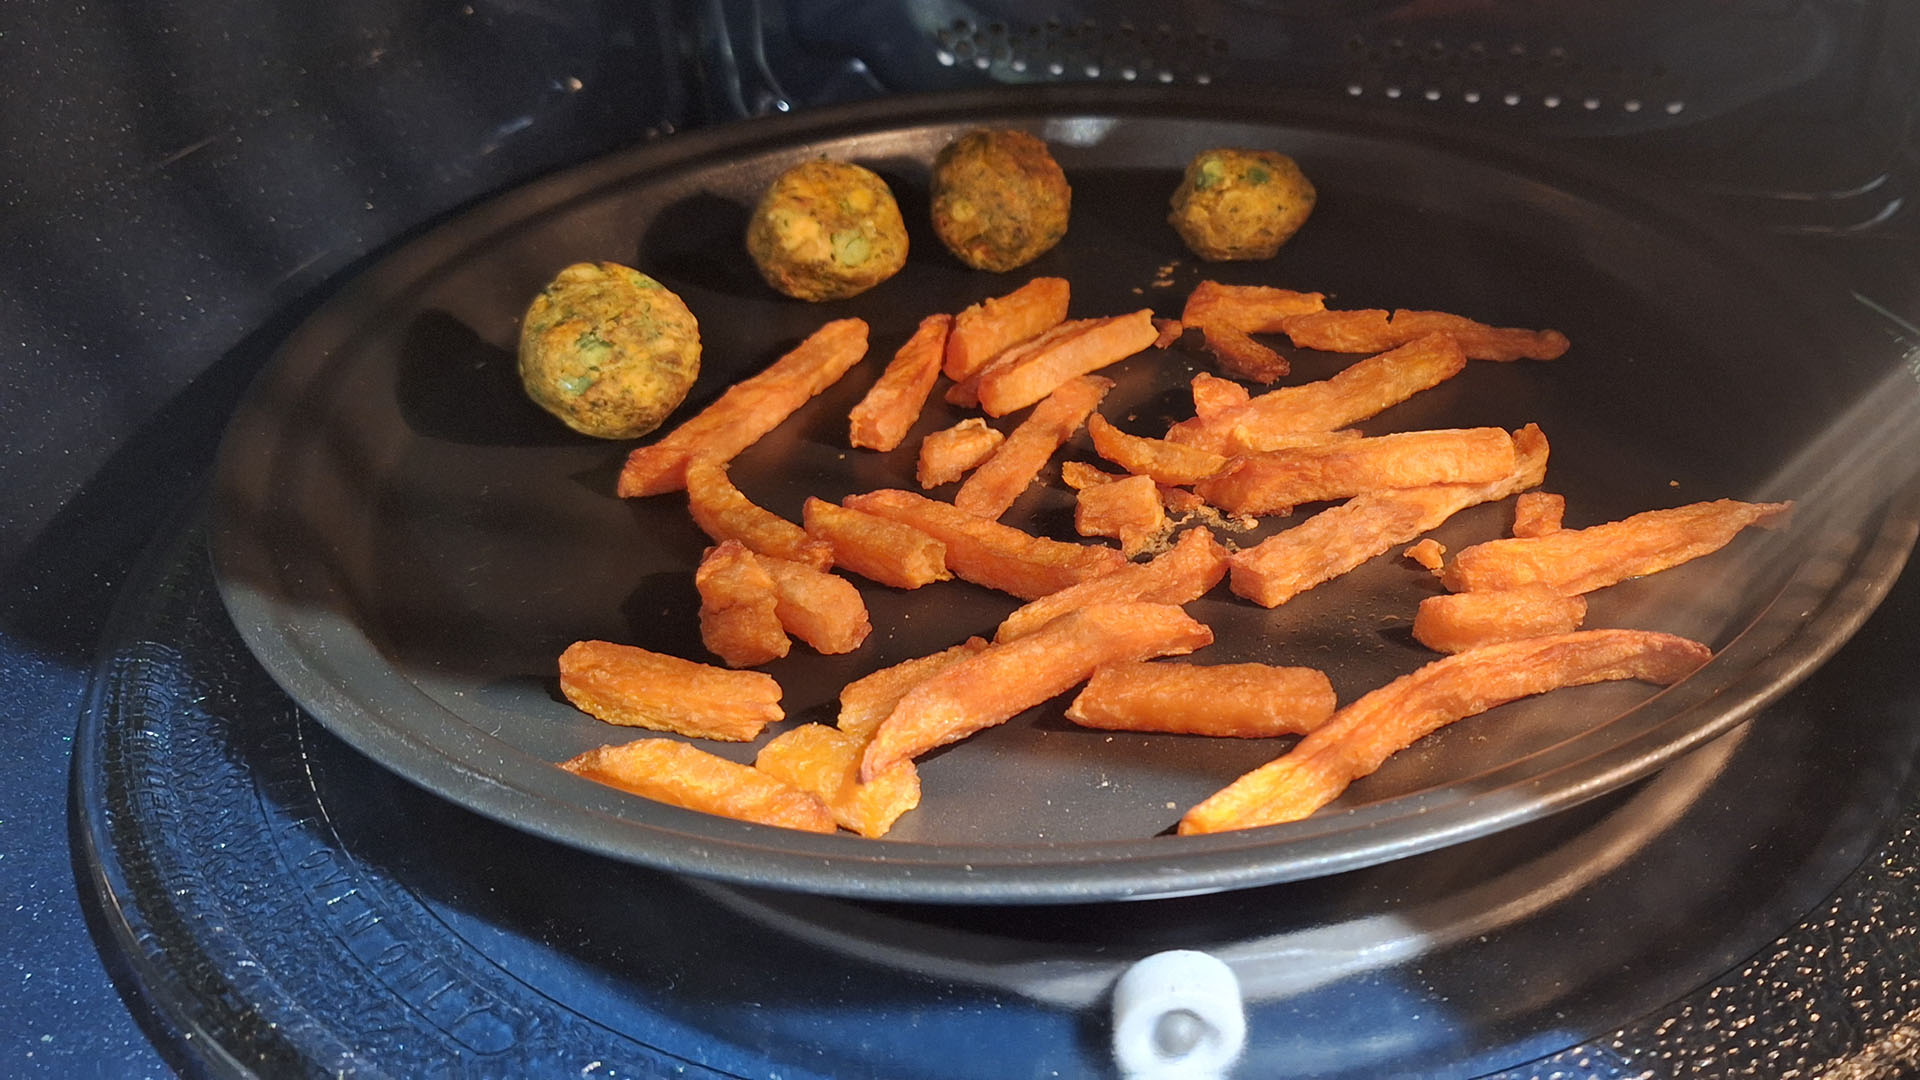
1082	49
1802	109
1507	73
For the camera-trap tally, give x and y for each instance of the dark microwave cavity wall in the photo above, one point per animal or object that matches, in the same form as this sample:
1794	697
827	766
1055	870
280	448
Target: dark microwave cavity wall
1797	112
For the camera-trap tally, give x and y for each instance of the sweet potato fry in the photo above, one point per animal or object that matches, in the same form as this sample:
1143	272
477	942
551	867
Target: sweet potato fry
1536	513
1080	475
966	392
1342	331
1429	553
1276	481
988	553
1574	561
1456	622
1179	500
1000	479
738	619
1242	356
946	455
825	761
1246	701
1372	329
1257	309
1268	441
1168	332
1003	680
633	687
874	547
1213	394
723	513
1006	388
686	776
1128	510
1166	462
1181	574
1361	736
1336	540
882	418
824	610
994	325
866	701
1227	316
1364	389
747	410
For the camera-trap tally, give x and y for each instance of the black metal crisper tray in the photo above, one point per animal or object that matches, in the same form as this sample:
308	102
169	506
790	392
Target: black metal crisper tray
293	909
406	544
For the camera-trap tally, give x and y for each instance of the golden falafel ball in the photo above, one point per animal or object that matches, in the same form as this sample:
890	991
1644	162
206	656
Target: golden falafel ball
827	230
1000	201
608	350
1240	204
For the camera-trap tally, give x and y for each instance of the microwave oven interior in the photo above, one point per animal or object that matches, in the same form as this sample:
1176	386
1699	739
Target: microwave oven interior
231	890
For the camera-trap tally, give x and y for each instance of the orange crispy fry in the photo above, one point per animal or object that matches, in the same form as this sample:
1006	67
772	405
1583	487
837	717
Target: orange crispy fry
1336	540
1181	501
826	762
1364	389
824	610
747	410
1264	442
990	327
738	620
1276	481
1581	560
1213	394
1429	553
1536	513
686	776
947	454
723	513
1361	736
866	701
1128	510
633	687
875	548
1371	330
1169	332
1079	475
988	553
1000	479
1006	388
966	392
882	418
1006	679
1242	356
1456	622
1257	309
1228	315
1181	574
1167	462
1246	701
